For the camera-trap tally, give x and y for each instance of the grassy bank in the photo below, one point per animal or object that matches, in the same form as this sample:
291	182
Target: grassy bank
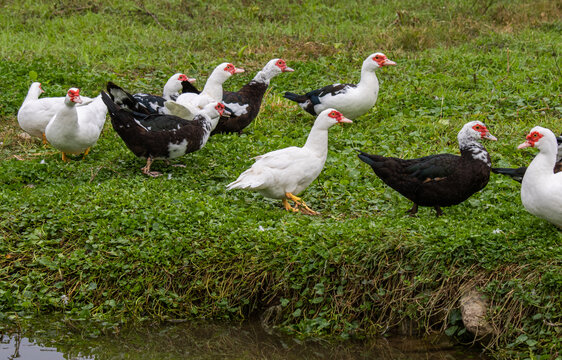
120	246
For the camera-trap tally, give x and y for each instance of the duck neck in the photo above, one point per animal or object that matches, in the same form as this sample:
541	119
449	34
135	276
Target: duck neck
68	116
169	92
369	79
214	89
475	150
32	94
207	124
317	141
261	77
543	163
213	122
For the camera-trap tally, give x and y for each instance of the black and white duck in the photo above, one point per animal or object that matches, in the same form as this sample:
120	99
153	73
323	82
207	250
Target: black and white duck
442	179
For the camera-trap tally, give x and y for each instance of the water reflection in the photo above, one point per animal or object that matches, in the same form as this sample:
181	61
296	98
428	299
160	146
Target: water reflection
52	341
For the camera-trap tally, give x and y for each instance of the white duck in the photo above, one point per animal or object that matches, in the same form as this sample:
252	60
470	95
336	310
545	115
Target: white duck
73	130
284	173
34	113
541	189
352	100
213	87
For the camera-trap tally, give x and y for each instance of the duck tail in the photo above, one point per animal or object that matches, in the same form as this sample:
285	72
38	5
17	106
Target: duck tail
188	87
112	107
372	160
514	173
294	97
124	99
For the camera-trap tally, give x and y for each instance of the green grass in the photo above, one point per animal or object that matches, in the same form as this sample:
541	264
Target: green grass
125	247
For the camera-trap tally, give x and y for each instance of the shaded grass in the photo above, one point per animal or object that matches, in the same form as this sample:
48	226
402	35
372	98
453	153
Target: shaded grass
121	246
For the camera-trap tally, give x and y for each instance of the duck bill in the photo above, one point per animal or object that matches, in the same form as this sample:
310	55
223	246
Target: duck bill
287	69
191	80
388	62
489	136
525	145
344	120
227	112
238	71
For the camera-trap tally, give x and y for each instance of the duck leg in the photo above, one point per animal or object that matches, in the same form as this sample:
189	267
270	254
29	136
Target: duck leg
288	206
86	153
44	139
64	157
146	169
298	202
438	211
413	211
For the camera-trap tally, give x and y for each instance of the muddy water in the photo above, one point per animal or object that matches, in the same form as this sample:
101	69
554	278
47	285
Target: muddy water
50	341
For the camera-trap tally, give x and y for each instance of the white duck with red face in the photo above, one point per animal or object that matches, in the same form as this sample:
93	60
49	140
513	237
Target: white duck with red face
35	113
73	130
213	87
352	100
283	174
541	188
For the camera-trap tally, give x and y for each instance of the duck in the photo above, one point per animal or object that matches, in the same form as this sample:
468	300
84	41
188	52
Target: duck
352	100
176	83
245	103
35	113
518	173
541	188
162	137
212	91
74	130
285	173
442	179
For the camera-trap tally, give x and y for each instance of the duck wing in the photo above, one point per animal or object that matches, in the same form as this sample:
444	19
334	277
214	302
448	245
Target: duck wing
315	96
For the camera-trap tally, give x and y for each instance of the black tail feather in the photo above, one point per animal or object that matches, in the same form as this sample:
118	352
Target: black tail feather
514	173
188	87
112	107
366	158
294	97
124	99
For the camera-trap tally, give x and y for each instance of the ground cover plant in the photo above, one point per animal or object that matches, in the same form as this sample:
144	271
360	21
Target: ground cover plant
94	238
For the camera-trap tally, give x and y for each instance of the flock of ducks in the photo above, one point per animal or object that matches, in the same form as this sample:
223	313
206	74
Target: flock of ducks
183	118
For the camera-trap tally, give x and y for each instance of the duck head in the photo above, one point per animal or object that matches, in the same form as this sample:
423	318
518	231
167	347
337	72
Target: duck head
378	60
541	138
36	86
224	71
174	84
214	109
277	66
330	117
271	69
474	131
73	97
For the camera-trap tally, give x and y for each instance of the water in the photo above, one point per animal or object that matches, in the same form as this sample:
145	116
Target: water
50	341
